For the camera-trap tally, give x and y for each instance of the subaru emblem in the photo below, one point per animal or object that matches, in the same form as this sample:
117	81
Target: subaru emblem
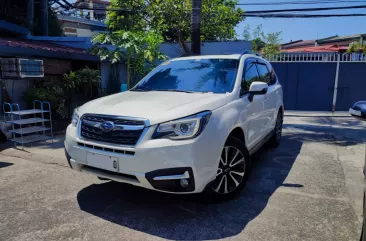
107	126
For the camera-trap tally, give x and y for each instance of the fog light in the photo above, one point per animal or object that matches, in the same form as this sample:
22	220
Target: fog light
184	182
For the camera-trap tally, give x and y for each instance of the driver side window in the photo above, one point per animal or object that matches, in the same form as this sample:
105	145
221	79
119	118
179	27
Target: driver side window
250	75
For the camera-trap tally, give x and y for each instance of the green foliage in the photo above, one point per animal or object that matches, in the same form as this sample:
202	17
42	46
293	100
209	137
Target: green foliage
356	47
60	93
172	18
272	43
246	33
268	44
132	19
257	44
137	49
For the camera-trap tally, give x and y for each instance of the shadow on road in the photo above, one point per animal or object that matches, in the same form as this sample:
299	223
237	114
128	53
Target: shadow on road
5	164
184	217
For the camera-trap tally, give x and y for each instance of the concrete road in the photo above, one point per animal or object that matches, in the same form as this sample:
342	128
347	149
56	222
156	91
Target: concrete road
310	188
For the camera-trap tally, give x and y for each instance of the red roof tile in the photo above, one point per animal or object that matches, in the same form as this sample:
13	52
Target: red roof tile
41	45
318	49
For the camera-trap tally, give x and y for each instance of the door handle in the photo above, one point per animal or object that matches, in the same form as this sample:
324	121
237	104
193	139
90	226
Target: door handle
265	98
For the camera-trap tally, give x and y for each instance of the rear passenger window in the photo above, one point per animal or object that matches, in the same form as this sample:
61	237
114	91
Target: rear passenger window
272	74
264	74
250	75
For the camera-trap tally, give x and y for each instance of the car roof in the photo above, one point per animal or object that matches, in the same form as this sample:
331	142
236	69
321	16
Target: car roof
221	56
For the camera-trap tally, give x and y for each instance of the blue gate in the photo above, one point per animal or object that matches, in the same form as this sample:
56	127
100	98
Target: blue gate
309	80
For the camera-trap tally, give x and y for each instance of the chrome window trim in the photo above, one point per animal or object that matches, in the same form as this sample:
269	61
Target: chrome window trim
145	129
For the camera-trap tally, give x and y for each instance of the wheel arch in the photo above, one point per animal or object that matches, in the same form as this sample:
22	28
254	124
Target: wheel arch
238	133
281	109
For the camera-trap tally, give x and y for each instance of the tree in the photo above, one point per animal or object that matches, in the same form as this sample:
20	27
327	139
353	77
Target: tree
272	43
268	44
246	33
356	47
172	18
137	49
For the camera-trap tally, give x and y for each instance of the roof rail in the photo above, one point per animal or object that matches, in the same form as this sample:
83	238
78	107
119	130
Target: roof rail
189	55
250	52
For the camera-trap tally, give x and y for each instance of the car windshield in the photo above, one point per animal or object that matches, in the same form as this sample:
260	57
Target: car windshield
192	75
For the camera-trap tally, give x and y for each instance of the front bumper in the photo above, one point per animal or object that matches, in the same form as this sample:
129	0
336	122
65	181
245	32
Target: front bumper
157	164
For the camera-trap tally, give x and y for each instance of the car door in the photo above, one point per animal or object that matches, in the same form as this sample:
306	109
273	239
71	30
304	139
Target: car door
270	98
254	118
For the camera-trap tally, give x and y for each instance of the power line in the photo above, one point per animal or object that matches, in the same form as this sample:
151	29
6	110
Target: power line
258	13
304	15
297	2
306	9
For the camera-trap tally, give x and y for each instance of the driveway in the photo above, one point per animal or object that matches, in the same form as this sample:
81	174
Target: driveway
309	188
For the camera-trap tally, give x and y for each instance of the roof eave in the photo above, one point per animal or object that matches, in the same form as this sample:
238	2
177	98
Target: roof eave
29	52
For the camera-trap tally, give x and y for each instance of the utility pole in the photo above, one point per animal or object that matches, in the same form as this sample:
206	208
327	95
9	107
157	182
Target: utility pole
44	17
30	15
196	27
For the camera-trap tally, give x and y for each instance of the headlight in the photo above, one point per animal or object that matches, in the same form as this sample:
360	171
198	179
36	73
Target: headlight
75	117
185	128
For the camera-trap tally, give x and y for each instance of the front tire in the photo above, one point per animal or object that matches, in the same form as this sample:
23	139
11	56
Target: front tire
233	170
276	137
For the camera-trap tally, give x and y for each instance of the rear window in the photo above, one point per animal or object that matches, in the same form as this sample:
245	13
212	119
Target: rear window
272	74
264	75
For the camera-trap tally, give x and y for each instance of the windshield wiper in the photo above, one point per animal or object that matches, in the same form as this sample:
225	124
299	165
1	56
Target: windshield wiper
142	90
173	90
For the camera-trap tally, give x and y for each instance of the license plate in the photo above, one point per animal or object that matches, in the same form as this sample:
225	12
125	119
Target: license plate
109	163
355	112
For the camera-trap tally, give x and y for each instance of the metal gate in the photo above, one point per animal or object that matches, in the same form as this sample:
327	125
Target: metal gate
321	81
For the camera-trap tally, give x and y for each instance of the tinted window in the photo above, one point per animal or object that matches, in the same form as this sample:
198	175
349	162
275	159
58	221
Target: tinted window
264	75
196	75
272	74
250	75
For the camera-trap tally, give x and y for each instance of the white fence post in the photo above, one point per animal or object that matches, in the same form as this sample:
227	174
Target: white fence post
336	84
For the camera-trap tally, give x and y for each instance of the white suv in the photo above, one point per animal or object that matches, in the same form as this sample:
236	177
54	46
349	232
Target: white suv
189	126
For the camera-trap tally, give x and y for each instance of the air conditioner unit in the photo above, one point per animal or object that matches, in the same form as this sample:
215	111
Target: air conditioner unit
30	68
9	68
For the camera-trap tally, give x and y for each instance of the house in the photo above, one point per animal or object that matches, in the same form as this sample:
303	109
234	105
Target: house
93	9
81	27
333	44
24	61
343	41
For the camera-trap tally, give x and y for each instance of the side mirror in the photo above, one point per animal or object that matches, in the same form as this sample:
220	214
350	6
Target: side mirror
358	110
257	88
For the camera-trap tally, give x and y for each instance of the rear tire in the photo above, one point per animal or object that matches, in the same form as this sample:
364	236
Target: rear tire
232	173
276	137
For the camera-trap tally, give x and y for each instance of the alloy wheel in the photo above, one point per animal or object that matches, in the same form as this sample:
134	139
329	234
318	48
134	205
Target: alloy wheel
231	170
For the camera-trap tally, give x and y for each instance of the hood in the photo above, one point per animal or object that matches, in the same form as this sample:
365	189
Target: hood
156	106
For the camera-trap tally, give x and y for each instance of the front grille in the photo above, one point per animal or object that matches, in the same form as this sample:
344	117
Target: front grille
91	130
115	120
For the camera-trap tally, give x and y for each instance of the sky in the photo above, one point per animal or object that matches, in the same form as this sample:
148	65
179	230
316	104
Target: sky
306	29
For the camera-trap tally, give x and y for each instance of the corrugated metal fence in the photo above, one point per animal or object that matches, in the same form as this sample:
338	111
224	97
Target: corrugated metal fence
321	82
